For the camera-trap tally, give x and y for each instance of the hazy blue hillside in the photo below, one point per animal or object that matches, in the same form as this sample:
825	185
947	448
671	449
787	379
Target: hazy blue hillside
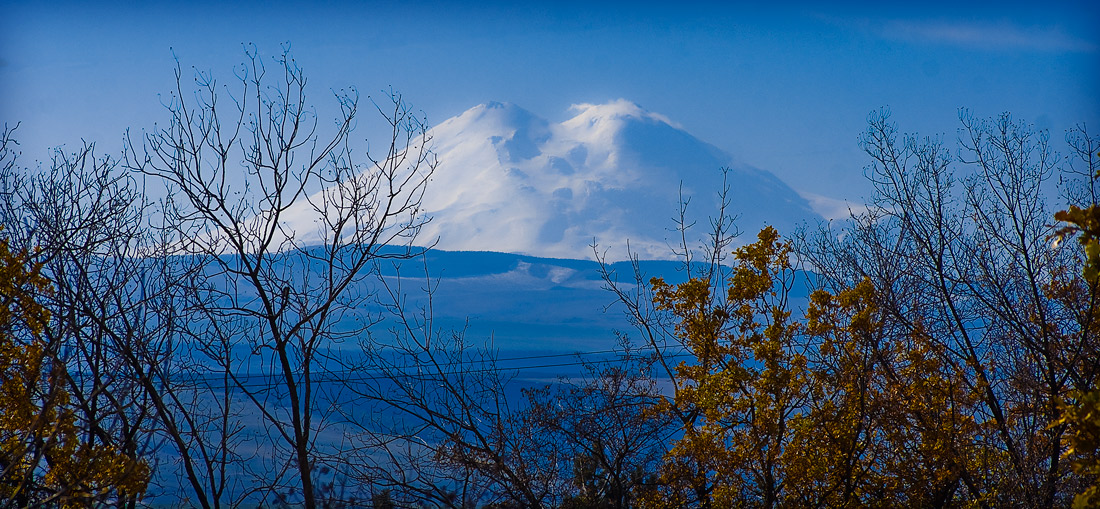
529	304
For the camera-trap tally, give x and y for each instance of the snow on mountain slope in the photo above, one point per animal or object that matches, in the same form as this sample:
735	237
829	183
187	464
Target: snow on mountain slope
511	181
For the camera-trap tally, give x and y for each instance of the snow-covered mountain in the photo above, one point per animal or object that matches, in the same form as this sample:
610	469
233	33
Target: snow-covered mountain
511	181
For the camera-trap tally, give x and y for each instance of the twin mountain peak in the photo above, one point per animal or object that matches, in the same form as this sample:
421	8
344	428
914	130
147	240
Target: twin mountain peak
612	174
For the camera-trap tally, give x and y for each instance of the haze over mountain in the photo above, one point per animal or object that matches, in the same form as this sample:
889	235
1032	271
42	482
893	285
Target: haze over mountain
511	181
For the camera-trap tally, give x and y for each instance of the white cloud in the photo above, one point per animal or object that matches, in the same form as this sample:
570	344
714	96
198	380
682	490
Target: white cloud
985	35
832	208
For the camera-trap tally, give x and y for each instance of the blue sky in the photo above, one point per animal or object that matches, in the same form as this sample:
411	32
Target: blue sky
784	86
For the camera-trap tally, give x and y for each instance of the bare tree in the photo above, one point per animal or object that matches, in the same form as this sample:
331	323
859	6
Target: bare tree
442	420
705	260
270	265
607	421
452	435
83	217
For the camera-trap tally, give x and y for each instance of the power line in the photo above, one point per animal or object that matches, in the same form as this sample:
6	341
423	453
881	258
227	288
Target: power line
406	371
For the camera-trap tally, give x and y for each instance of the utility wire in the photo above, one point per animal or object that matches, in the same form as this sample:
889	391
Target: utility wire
406	371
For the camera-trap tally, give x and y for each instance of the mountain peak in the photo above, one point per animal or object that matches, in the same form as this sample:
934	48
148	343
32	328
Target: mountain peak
503	114
615	110
510	181
613	175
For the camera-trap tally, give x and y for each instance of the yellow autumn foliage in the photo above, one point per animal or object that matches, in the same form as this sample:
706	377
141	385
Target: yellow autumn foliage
830	411
43	459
